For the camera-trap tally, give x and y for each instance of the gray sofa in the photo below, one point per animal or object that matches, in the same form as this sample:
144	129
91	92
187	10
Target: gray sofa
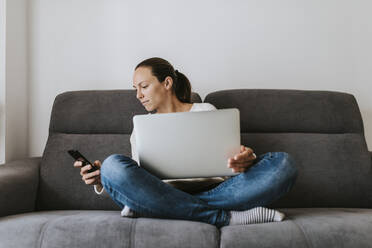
44	202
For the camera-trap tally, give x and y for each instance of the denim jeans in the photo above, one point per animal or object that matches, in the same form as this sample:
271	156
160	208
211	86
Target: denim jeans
271	176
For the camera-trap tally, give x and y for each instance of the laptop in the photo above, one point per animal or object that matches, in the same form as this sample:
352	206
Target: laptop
188	144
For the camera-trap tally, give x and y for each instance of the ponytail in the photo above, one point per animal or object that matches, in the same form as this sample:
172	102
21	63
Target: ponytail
182	87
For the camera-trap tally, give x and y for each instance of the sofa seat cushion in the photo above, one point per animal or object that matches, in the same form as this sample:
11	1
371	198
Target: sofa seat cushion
306	227
101	229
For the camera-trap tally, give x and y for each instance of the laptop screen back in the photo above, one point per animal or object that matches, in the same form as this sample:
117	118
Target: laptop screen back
188	144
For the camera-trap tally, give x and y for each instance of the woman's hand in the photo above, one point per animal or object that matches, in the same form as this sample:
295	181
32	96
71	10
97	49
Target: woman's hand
243	160
92	178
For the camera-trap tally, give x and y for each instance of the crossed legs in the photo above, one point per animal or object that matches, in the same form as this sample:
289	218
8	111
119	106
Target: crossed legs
272	176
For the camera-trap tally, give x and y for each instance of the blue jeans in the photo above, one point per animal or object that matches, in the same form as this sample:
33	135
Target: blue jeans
272	175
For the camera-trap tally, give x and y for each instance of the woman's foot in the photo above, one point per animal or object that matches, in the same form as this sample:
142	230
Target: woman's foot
127	212
255	216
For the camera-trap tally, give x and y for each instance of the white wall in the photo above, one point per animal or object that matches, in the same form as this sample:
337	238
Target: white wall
288	44
2	79
14	80
17	80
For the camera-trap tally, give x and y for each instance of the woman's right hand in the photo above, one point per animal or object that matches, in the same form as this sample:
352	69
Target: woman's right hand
92	178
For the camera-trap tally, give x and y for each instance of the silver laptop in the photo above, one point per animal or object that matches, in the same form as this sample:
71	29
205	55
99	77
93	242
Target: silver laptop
188	144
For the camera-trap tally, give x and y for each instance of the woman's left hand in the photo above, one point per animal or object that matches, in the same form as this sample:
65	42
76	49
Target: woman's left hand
243	160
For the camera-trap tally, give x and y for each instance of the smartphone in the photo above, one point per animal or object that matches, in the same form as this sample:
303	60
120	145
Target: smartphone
78	156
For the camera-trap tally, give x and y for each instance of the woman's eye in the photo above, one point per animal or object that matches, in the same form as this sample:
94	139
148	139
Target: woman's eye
144	87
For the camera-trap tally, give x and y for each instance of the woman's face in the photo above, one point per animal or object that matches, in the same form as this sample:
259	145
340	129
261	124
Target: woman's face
150	92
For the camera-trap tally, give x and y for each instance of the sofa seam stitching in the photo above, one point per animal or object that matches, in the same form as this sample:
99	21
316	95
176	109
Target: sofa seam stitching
42	231
132	232
308	243
219	233
44	227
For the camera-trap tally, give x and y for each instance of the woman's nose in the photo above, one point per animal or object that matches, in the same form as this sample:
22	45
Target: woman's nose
139	94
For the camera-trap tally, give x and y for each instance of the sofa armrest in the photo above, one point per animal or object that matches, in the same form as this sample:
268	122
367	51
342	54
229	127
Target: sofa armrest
18	186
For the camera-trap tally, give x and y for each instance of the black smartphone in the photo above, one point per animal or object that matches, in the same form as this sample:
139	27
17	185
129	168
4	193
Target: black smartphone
78	156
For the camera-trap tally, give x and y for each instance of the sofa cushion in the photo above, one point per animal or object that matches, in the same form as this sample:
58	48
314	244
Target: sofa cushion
334	170
302	227
61	186
19	180
305	228
97	111
101	229
323	131
297	111
97	123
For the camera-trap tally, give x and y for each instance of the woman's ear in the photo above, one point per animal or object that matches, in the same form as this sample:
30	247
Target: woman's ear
168	82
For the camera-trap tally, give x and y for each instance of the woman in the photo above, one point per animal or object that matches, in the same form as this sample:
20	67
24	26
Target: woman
218	201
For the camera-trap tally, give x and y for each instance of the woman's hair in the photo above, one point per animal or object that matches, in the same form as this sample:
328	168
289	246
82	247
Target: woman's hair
161	69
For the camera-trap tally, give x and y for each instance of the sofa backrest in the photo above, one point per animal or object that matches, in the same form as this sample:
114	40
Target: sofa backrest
97	123
322	130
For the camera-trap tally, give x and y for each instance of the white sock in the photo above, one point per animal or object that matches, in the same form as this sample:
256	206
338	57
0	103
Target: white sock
127	212
254	216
